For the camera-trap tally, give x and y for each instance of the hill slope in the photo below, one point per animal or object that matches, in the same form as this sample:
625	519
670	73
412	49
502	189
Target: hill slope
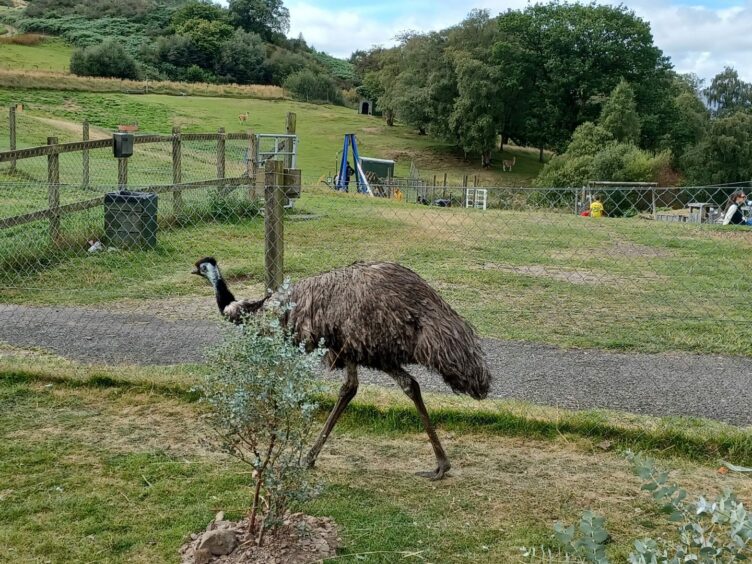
320	127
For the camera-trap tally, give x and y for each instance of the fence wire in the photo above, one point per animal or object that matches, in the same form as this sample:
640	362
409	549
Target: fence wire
92	274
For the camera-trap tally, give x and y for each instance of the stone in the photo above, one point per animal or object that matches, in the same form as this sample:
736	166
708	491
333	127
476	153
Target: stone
218	542
201	556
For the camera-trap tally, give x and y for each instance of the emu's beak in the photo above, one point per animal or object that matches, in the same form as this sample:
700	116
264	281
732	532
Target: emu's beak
195	271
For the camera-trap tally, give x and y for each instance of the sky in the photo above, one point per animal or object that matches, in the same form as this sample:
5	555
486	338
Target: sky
700	36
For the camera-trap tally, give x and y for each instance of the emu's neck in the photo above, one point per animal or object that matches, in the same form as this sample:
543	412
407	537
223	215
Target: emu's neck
221	291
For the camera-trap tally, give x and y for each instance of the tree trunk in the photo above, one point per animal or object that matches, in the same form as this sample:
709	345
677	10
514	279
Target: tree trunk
485	158
389	115
540	154
504	141
422	130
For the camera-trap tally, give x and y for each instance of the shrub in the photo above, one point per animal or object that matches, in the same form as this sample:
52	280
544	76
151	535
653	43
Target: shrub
241	59
109	59
313	87
708	532
259	390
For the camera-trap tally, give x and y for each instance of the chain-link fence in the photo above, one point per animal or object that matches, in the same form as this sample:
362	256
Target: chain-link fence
107	279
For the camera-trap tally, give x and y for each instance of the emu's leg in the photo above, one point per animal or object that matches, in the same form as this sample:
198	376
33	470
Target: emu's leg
410	386
346	393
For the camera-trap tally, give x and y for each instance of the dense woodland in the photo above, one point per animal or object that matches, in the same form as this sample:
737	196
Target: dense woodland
584	81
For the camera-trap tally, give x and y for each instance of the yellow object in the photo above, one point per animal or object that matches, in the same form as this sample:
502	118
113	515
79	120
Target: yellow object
596	209
398	195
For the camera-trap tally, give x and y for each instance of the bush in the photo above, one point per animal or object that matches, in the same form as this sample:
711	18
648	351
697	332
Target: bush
241	59
259	390
708	532
311	87
109	59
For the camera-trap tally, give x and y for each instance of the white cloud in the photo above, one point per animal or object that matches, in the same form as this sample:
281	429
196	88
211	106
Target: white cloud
698	39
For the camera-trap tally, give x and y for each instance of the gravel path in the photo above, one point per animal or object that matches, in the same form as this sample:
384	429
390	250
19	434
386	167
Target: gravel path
716	387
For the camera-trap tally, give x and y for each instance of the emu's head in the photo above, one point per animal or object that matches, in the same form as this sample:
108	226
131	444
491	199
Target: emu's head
207	267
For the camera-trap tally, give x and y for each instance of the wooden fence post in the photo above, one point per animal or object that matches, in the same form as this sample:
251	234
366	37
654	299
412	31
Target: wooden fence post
12	124
177	172
256	178
53	191
122	174
273	224
221	151
85	157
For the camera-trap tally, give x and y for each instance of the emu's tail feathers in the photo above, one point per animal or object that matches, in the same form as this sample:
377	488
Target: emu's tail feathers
458	357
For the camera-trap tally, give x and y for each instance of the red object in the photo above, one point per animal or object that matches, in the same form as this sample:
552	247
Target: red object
586	213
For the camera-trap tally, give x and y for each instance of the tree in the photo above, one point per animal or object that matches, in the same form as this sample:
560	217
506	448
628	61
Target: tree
241	59
107	59
313	87
198	10
727	93
264	17
725	153
568	57
475	119
619	115
206	38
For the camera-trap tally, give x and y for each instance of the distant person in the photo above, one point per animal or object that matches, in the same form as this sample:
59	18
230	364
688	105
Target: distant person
348	173
734	215
596	207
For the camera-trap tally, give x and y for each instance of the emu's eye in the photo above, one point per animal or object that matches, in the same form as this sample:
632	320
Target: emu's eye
203	268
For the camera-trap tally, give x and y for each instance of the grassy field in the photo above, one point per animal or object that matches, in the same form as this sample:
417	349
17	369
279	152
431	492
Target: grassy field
109	466
321	129
623	284
51	55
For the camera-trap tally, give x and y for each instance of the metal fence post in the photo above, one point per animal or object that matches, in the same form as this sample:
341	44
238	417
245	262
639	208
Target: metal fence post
177	171
273	224
258	178
221	150
12	124
122	174
53	191
290	127
85	157
655	210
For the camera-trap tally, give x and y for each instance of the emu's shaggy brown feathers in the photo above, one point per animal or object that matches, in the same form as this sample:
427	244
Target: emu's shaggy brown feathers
383	315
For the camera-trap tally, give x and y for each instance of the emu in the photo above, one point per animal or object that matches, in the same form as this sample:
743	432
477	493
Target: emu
378	315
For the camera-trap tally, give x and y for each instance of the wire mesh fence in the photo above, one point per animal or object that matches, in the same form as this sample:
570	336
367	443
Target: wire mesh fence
658	273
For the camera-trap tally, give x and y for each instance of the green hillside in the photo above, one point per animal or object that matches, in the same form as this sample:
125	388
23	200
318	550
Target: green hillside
51	54
321	129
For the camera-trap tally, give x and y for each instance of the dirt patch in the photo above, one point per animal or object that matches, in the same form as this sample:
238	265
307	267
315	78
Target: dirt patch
375	130
95	133
301	539
573	276
617	249
123	422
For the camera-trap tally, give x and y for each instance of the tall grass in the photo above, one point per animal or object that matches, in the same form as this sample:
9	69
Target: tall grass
26	39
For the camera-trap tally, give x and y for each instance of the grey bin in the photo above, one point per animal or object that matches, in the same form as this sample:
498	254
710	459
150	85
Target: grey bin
130	219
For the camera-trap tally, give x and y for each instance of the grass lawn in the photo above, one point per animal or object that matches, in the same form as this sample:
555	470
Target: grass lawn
625	284
109	466
321	130
51	55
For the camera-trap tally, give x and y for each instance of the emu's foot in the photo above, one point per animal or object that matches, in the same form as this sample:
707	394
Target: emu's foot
437	474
